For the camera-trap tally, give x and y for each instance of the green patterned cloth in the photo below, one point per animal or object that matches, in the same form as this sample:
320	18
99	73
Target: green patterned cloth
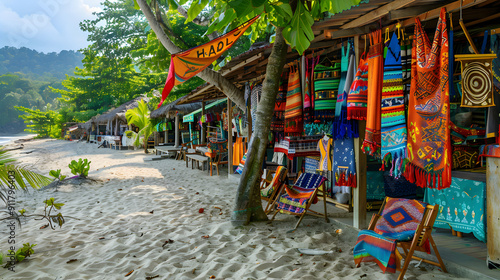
462	206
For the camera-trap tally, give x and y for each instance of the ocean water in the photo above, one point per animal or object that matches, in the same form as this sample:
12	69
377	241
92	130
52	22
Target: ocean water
5	139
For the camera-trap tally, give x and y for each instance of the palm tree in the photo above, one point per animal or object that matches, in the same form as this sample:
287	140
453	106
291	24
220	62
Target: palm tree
139	116
13	177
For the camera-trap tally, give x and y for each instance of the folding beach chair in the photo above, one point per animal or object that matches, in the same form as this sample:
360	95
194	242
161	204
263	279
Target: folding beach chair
217	153
298	198
401	223
272	186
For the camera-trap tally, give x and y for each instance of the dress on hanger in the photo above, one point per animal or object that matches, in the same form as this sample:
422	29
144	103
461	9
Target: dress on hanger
325	148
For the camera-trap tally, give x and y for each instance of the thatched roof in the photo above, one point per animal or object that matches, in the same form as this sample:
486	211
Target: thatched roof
172	108
119	112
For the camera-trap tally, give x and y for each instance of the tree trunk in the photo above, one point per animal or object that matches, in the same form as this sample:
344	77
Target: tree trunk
248	205
209	75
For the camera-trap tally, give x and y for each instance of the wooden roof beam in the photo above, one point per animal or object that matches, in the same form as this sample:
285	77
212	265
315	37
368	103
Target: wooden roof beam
376	14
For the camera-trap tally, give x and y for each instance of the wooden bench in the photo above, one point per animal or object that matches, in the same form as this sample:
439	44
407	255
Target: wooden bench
197	159
167	150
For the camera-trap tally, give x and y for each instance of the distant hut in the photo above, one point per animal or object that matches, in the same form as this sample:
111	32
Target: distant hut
115	120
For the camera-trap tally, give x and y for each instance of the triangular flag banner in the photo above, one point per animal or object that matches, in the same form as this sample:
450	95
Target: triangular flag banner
186	64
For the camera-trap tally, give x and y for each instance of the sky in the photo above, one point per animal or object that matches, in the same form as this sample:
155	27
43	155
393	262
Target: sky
45	25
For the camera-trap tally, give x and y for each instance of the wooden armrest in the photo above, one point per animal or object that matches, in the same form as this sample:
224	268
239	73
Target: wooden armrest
373	221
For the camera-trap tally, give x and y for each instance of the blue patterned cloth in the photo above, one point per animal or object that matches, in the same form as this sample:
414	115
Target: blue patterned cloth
306	181
462	206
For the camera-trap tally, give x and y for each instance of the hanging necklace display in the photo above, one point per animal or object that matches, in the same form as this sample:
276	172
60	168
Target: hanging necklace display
477	75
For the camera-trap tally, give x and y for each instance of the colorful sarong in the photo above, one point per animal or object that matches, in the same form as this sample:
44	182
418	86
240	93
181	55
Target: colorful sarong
393	122
371	144
344	164
372	247
429	149
293	110
325	147
344	66
275	182
311	164
239	169
357	97
278	120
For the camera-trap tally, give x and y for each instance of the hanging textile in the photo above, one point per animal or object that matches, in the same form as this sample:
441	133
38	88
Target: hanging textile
239	149
325	148
344	65
278	120
493	117
357	97
254	101
326	84
406	45
308	99
344	164
293	109
371	144
429	151
393	121
477	80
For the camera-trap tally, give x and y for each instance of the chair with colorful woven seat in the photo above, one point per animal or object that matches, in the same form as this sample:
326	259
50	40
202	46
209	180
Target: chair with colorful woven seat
272	186
401	223
217	152
298	198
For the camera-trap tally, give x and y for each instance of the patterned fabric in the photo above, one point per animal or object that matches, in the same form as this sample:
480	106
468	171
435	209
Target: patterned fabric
239	149
492	150
275	182
305	184
406	46
311	164
344	164
495	48
344	65
429	151
357	98
326	83
325	147
278	120
239	169
393	122
298	146
400	218
371	144
462	206
293	110
372	247
254	101
465	157
477	80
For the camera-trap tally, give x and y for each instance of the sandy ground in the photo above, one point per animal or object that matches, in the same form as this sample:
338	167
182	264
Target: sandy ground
143	217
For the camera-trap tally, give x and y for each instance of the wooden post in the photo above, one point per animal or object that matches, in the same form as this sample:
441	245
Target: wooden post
359	193
229	137
177	132
203	126
117	128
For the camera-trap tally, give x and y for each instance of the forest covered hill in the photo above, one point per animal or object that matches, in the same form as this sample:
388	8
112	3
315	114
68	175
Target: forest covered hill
25	77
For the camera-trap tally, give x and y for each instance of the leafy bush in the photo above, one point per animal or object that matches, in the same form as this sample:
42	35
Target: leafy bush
80	167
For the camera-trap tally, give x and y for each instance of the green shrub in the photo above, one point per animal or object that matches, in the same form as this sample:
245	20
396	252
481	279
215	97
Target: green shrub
80	167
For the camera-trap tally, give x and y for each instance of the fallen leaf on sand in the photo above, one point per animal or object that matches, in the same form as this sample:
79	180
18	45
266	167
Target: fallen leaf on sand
174	168
201	210
129	273
167	242
197	193
44	226
301	255
142	180
272	236
101	237
120	189
205	236
220	213
216	207
212	277
194	270
152	277
72	260
364	275
152	211
340	250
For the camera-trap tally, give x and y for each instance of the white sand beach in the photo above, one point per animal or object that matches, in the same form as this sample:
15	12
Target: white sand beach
143	217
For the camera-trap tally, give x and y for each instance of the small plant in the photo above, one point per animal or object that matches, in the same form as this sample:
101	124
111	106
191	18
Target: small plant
58	218
57	174
80	167
18	256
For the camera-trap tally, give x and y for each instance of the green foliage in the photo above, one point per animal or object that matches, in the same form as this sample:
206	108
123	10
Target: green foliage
23	252
139	116
17	177
21	212
45	124
80	167
57	174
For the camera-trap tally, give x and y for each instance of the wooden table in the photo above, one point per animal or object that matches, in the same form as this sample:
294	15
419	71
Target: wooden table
169	150
197	159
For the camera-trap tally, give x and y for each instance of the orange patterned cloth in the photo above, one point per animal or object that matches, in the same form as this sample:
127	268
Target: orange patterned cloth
293	109
429	147
371	144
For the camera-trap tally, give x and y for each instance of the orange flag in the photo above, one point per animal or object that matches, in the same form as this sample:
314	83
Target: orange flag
186	64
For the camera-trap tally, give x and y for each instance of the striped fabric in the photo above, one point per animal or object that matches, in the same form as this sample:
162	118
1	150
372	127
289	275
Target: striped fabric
326	84
239	169
298	195
372	247
357	98
293	109
268	191
393	122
